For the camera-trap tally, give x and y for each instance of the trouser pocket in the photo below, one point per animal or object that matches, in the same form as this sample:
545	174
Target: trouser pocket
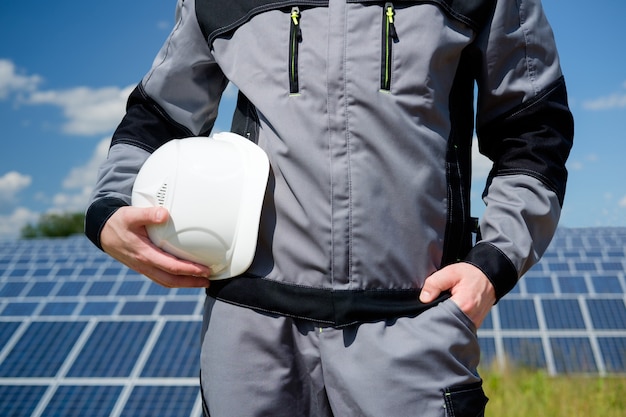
465	400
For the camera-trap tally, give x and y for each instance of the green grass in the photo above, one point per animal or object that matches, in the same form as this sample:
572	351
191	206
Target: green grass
516	392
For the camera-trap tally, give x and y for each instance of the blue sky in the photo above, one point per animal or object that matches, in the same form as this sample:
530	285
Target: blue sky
66	69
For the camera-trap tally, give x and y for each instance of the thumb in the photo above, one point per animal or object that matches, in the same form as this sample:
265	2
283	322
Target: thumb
159	214
433	286
147	215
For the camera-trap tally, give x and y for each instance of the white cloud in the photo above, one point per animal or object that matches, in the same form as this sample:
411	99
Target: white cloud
11	225
481	165
11	183
12	82
89	111
79	183
575	165
616	100
622	202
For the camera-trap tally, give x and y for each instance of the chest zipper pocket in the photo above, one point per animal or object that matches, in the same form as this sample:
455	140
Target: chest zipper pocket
295	37
389	37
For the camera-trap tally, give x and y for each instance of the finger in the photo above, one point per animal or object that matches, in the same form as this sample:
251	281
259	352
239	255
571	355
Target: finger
136	216
434	285
155	257
176	281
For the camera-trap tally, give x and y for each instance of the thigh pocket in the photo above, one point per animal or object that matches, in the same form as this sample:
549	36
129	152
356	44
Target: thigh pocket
465	400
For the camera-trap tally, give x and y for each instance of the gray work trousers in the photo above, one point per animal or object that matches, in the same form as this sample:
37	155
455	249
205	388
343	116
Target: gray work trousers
257	364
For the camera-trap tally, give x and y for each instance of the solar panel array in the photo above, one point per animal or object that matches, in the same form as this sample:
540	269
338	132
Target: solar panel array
81	334
568	313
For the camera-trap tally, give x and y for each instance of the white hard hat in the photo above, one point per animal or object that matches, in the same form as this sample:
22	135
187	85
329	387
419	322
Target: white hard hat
213	189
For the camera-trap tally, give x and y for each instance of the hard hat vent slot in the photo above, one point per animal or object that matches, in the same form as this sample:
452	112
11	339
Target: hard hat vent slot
161	194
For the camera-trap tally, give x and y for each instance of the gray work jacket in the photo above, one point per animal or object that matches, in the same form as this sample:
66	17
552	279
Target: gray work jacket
367	111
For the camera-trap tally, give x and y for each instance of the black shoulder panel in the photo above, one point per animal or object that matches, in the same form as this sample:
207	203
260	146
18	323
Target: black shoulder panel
474	13
217	17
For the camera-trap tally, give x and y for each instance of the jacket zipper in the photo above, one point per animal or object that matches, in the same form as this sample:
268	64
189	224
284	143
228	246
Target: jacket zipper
389	37
295	38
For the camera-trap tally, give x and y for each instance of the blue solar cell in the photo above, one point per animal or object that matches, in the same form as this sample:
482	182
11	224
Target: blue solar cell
112	271
172	401
585	267
577	242
614	353
573	355
138	308
20	400
190	291
488	322
607	285
539	285
176	353
131	287
12	289
71	288
593	241
156	289
100	288
516	289
98	308
527	352
19	309
573	285
89	272
558	266
59	308
41	289
563	314
179	307
613	266
487	351
41	350
594	254
82	400
19	272
607	314
517	314
41	272
6	331
117	346
65	272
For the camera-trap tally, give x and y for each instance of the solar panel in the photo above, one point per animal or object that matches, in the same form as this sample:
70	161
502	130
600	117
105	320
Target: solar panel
109	343
573	355
614	353
563	314
81	334
20	401
83	400
527	352
42	349
517	314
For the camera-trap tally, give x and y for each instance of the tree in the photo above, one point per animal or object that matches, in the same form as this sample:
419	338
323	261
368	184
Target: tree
55	225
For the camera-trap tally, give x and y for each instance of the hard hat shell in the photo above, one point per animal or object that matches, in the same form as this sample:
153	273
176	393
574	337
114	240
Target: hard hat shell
213	189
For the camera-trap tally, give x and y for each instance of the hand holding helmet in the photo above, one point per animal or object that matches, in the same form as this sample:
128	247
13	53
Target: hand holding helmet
213	189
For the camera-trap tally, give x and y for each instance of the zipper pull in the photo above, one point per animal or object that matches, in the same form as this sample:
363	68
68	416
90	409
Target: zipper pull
295	19
390	12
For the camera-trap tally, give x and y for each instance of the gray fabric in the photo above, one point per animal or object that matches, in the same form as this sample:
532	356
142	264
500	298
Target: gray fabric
117	174
262	365
341	150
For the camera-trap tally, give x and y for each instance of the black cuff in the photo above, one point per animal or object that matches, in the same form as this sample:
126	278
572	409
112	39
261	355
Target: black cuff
97	215
496	265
